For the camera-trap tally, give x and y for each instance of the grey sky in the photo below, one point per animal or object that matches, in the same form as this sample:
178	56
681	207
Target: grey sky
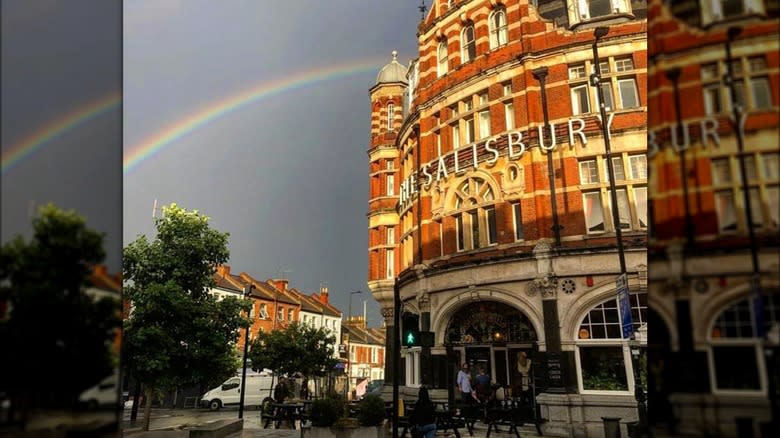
285	175
57	56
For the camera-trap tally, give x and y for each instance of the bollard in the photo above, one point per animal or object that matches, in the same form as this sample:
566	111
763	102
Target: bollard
611	427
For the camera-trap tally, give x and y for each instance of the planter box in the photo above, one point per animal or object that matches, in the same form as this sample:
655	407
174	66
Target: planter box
345	432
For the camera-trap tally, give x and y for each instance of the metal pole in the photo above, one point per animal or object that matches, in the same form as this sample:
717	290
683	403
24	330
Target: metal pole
596	82
755	280
674	76
396	352
247	293
540	74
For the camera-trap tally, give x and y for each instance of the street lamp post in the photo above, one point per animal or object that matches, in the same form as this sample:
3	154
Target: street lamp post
540	74
349	351
755	279
595	80
673	75
396	351
247	293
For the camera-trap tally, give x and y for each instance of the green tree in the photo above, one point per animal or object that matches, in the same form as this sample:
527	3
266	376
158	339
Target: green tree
177	334
297	348
56	339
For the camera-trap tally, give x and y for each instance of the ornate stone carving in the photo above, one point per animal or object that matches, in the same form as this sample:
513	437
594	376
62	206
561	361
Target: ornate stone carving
547	285
424	302
387	314
531	289
437	201
568	286
513	181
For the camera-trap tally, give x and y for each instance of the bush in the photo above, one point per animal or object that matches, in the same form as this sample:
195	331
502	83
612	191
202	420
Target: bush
372	411
325	412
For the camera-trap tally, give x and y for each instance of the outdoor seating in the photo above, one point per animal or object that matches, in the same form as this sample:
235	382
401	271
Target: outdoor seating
510	413
283	412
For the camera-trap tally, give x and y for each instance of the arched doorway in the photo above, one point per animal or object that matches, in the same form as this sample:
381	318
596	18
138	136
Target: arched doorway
497	337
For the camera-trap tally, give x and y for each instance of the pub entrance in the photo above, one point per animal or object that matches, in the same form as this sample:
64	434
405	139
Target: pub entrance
498	338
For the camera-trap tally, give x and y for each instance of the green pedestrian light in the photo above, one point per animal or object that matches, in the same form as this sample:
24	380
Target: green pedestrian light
410	338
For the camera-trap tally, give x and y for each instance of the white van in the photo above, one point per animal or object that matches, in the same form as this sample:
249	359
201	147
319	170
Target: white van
104	394
258	389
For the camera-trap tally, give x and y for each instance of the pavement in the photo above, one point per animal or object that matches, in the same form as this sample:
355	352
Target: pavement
168	418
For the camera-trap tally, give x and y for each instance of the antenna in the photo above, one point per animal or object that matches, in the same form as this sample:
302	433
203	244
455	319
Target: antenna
422	9
154	209
283	271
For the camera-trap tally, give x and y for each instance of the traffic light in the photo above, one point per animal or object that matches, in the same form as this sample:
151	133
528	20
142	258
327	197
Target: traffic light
410	330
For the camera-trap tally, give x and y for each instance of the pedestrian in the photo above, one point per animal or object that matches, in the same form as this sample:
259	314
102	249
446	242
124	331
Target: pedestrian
483	385
280	392
423	416
305	389
464	384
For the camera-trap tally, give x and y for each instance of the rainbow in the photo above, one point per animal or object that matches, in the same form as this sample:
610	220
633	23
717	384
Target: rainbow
138	153
72	119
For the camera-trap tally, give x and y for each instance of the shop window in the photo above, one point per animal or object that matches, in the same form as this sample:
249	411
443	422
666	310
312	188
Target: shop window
602	354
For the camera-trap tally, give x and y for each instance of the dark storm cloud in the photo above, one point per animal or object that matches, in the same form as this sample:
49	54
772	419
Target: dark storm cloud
56	57
287	176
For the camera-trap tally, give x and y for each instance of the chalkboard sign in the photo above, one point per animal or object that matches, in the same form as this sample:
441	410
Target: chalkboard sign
554	370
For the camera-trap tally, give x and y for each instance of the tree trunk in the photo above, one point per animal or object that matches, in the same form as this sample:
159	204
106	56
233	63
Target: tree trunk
148	408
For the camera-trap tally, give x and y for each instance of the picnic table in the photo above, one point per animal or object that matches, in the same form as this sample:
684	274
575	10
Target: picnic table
283	412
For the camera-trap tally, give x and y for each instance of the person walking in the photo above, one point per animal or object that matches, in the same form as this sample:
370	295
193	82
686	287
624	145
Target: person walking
464	384
483	385
424	415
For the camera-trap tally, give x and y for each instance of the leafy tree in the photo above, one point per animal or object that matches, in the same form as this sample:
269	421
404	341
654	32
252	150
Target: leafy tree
177	334
56	339
298	348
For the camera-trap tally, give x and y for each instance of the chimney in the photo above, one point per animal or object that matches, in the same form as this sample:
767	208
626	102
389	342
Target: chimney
281	284
324	295
223	270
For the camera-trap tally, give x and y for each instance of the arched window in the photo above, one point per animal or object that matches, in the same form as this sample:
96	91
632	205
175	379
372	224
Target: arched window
499	32
390	114
603	356
734	334
590	9
475	220
442	58
468	46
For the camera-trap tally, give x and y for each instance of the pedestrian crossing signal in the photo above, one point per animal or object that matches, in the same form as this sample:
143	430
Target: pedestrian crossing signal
410	338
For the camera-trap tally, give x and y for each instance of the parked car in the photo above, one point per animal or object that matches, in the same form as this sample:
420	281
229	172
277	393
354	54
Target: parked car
374	387
258	387
103	395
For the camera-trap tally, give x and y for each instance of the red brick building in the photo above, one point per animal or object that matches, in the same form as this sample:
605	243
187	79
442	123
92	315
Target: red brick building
460	205
711	371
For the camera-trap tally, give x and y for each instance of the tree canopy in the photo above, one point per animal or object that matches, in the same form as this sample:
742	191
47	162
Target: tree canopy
57	340
297	348
177	333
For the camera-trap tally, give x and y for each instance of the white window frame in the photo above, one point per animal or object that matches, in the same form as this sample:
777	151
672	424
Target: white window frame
575	98
634	92
581	11
442	58
518	220
484	124
390	115
465	44
509	115
412	357
390	263
499	31
712	10
263	311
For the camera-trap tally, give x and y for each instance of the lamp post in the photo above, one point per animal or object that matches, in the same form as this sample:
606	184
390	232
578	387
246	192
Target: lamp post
396	351
349	351
755	279
247	294
595	80
673	75
540	74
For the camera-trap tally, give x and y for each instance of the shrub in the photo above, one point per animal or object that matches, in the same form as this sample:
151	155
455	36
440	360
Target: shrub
372	411
325	412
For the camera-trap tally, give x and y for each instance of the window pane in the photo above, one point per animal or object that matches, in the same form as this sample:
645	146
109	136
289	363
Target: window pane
628	95
491	224
736	374
603	368
727	218
640	197
509	111
638	166
624	64
731	8
709	72
588	172
598	8
459	231
470	130
518	216
773	204
617	169
762	94
757	64
474	219
455	136
624	213
484	124
755	208
577	71
606	89
739	87
483	98
579	99
712	103
390	185
507	89
771	166
594	213
721	172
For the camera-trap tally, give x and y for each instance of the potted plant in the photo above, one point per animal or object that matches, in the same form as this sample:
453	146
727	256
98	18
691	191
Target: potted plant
330	419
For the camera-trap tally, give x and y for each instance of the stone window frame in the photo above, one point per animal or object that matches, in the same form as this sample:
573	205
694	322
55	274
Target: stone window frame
498	29
629	185
464	206
442	58
390	115
468	47
712	12
579	10
623	344
749	71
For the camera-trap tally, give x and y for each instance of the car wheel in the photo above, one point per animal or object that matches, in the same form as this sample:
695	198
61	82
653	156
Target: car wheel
215	404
